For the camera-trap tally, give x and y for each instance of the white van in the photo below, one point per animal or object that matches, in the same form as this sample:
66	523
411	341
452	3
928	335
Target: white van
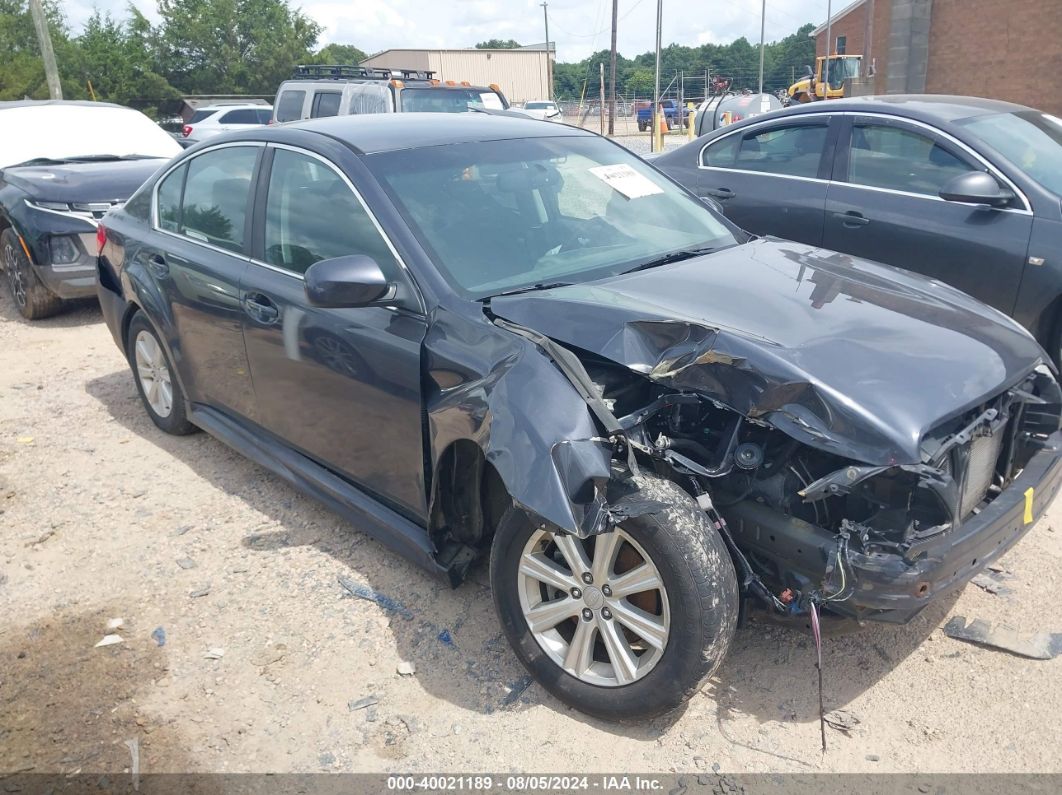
319	90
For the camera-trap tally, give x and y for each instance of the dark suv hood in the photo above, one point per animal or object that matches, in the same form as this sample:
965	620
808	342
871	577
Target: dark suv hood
846	355
84	182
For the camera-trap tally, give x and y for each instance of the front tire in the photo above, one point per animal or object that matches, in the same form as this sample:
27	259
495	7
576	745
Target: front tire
33	300
159	389
626	625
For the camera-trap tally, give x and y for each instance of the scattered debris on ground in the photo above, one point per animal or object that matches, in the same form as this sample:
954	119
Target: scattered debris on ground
1038	646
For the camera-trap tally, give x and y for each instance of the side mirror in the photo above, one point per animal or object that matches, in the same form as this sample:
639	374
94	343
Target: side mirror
354	280
976	187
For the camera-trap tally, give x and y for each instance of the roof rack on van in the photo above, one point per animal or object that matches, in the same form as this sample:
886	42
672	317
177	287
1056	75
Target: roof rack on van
338	72
347	72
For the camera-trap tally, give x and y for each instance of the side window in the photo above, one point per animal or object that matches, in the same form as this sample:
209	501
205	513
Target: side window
325	103
241	116
790	151
264	115
289	105
722	153
169	201
312	214
895	158
216	192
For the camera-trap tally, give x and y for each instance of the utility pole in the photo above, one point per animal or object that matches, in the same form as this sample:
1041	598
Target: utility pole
51	72
829	49
655	116
763	31
601	108
549	61
612	72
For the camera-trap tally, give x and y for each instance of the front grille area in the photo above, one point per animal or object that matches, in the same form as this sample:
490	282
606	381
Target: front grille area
982	454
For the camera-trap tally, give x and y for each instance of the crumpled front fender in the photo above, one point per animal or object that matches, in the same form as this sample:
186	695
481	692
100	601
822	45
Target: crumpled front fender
501	391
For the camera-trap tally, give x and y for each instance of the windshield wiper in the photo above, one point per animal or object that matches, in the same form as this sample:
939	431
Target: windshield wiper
674	256
529	289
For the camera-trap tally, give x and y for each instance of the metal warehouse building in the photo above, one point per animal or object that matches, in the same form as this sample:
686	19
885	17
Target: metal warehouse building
521	73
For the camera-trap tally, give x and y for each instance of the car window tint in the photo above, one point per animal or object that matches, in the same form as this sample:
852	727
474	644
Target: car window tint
312	214
325	103
214	207
289	105
199	115
241	116
899	159
264	115
790	151
169	200
722	153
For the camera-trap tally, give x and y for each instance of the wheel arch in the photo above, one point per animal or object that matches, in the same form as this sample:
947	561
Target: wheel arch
468	497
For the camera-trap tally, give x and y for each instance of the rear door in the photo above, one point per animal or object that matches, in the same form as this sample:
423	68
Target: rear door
289	104
340	385
196	255
771	178
884	205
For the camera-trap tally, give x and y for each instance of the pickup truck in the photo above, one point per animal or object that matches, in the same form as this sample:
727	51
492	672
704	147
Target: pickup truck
672	114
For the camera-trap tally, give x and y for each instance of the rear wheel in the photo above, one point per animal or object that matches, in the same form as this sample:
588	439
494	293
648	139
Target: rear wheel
624	625
159	389
33	300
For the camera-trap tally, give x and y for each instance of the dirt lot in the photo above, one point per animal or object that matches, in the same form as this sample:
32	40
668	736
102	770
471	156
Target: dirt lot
103	516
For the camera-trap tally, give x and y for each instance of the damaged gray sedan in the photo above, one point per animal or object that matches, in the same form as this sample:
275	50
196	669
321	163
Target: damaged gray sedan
487	338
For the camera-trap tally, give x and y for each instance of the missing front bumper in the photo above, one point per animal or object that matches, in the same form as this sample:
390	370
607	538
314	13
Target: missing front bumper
893	587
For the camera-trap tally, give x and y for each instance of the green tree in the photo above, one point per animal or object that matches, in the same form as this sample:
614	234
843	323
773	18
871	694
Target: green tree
22	74
232	46
118	58
346	54
498	44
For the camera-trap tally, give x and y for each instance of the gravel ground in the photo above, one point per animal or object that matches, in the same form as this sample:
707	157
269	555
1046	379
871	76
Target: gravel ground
266	658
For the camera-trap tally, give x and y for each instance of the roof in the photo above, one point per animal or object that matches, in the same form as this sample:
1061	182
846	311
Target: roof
36	103
390	132
942	107
836	18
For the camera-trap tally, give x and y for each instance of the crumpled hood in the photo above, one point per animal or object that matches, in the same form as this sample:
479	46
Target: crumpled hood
84	182
846	355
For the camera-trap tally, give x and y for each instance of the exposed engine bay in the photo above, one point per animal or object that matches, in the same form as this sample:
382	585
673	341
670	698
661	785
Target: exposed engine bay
825	508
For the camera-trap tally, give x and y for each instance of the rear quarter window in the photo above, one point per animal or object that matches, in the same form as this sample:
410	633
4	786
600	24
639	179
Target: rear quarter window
289	105
199	115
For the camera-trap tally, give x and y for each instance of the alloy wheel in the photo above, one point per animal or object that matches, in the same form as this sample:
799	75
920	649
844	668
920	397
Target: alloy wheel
598	607
14	276
154	373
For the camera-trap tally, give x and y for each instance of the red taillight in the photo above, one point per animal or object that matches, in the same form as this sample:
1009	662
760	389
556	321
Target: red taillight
187	130
101	238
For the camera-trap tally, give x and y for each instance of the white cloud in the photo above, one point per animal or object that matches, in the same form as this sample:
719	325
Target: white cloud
579	27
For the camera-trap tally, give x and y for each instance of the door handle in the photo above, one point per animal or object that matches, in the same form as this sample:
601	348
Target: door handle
720	193
852	219
261	308
157	264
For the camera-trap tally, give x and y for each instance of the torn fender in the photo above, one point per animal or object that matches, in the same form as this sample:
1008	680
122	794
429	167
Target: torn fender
501	391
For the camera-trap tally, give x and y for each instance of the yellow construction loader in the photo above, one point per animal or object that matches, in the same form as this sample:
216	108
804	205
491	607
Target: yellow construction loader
826	84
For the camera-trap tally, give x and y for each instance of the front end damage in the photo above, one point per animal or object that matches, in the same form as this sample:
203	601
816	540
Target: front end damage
807	522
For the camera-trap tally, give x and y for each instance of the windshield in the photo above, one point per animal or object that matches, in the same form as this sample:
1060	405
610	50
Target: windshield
32	132
841	69
540	106
1029	139
448	100
503	215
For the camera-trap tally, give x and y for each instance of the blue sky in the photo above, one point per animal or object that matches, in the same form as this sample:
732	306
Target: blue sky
579	27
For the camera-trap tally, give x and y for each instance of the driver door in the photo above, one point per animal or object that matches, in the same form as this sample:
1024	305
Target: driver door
341	385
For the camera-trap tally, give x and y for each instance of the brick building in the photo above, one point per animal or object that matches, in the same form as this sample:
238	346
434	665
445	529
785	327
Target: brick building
1006	49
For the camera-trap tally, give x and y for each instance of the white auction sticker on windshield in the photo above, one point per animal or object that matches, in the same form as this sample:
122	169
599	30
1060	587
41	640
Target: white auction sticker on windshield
626	180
